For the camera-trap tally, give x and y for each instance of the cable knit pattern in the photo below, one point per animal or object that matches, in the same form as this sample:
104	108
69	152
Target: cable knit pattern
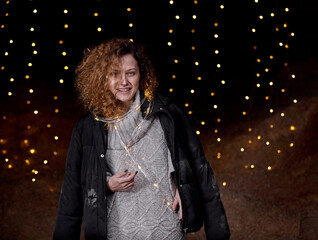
144	212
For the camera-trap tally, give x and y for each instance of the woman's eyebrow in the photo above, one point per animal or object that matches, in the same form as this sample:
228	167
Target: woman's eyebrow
129	69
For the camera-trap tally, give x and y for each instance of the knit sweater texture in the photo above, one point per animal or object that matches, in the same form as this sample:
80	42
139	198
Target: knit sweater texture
145	211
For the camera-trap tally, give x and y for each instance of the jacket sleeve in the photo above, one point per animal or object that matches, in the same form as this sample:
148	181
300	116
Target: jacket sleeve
69	216
215	221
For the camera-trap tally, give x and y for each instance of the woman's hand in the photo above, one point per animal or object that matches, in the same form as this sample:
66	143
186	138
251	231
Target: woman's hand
120	182
177	202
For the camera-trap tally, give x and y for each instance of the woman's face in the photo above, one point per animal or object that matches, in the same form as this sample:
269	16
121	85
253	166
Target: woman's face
124	79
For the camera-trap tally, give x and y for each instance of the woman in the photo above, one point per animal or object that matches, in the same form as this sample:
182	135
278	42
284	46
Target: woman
134	169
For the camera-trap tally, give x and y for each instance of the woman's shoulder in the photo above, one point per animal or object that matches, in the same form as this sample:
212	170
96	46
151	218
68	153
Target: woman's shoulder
85	121
167	101
171	105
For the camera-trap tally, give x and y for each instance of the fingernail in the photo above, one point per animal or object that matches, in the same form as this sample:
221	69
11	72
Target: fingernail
136	172
126	170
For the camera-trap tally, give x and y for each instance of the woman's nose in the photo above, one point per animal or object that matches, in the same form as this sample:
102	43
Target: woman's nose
123	80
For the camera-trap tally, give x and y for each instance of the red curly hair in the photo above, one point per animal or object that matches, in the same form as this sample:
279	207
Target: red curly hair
93	71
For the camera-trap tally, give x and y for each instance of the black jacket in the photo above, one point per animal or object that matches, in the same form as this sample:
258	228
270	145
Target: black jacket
84	196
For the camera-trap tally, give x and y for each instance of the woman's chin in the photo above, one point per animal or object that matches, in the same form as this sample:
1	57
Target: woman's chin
126	100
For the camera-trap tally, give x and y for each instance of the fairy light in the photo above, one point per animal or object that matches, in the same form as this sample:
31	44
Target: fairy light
171	43
261	61
263	64
216	41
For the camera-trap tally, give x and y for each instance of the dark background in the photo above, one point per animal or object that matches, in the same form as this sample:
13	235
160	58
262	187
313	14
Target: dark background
151	24
266	194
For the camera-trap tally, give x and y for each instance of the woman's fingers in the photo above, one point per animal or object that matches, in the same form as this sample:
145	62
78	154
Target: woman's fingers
128	186
177	203
122	181
180	213
121	174
131	176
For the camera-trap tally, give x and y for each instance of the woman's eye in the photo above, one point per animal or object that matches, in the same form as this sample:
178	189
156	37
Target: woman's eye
131	73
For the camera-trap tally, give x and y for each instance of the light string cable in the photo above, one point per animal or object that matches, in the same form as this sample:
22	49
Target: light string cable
147	173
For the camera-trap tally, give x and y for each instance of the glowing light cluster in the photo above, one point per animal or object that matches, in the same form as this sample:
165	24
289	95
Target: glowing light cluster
24	74
265	64
179	22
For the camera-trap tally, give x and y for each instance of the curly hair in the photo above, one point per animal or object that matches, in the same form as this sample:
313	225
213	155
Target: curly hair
92	74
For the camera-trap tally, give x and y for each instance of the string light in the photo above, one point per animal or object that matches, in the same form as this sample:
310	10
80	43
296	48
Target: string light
264	62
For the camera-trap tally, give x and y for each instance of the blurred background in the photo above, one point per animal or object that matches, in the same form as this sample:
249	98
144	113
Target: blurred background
245	73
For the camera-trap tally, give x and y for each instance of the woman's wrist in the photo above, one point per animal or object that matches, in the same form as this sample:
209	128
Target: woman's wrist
108	187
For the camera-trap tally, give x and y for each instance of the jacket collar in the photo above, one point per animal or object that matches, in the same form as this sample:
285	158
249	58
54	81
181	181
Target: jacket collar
158	104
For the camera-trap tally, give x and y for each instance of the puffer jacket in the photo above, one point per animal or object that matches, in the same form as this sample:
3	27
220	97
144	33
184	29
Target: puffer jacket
83	194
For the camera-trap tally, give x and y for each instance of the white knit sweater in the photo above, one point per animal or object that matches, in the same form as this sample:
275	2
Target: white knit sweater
145	211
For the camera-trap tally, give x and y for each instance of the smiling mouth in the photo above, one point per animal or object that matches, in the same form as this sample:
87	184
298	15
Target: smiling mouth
124	90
